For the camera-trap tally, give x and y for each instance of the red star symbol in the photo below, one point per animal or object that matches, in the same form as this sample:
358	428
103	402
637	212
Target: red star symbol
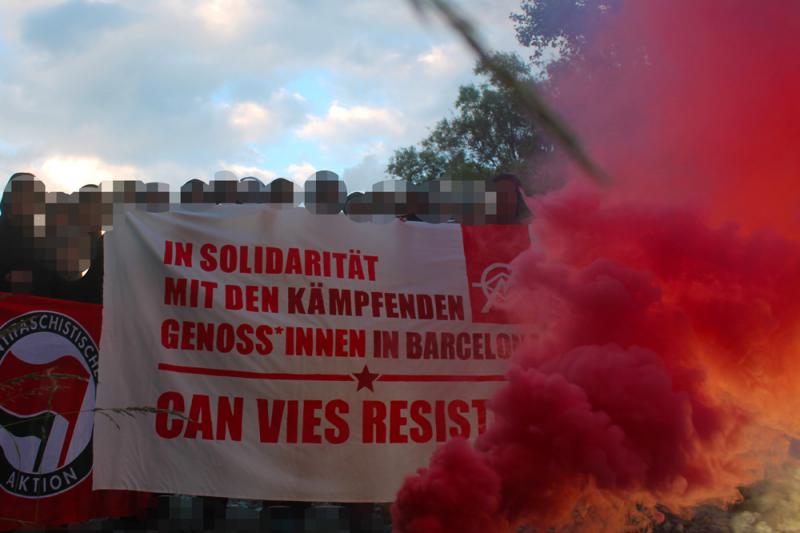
365	378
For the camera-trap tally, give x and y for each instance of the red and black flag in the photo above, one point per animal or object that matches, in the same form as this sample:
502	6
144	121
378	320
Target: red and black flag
48	377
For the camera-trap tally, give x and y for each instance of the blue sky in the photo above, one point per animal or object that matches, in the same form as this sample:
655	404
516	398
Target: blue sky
167	90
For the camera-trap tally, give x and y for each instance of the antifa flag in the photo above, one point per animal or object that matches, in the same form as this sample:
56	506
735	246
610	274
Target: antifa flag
34	404
48	377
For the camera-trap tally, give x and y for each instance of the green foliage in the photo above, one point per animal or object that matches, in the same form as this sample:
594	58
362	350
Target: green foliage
487	133
561	28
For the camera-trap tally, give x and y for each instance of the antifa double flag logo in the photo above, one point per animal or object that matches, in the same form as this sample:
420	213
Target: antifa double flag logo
38	396
48	379
489	252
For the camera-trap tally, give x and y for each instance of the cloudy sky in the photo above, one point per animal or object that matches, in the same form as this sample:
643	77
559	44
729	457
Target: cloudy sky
167	90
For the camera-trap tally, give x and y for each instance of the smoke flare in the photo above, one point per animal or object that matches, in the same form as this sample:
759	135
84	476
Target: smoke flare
667	307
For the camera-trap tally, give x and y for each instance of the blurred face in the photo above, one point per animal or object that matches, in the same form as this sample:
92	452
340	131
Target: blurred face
506	201
27	199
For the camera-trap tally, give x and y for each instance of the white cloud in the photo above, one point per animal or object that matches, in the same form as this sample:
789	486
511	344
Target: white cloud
241	171
370	170
299	173
69	173
173	87
345	124
376	148
434	57
445	61
283	95
223	16
260	121
251	119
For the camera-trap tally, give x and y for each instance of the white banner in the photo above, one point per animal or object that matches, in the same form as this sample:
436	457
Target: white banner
295	356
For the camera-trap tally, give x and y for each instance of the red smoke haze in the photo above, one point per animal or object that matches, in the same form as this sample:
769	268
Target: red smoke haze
667	304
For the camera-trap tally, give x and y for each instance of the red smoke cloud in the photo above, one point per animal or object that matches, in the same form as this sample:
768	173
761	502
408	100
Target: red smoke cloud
702	108
667	305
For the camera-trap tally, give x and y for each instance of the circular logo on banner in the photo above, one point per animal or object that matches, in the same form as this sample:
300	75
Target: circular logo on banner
494	284
48	377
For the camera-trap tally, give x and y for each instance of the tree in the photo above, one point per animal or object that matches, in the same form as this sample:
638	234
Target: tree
486	135
562	29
